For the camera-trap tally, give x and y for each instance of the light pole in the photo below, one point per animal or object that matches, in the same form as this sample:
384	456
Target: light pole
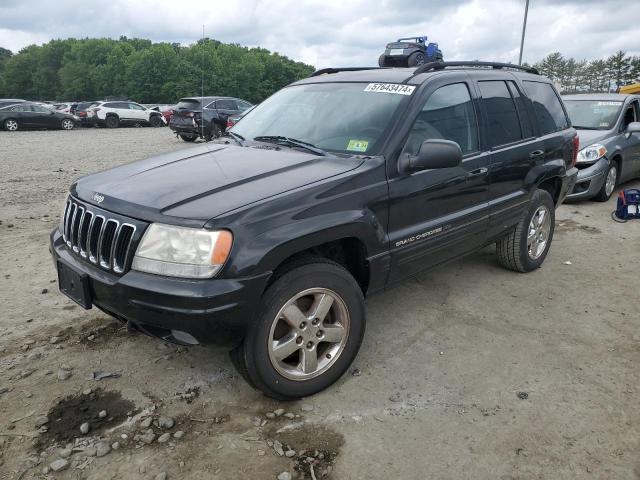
524	28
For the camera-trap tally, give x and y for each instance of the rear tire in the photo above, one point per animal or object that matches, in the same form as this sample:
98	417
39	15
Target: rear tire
11	125
112	121
215	133
322	346
523	250
382	60
609	184
156	121
187	138
415	59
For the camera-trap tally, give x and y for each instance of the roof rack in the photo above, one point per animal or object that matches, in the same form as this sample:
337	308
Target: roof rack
427	67
342	69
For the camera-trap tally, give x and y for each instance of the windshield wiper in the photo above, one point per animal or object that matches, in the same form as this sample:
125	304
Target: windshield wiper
291	142
580	127
237	137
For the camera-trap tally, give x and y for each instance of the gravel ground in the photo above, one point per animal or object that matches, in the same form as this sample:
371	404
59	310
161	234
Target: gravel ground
468	371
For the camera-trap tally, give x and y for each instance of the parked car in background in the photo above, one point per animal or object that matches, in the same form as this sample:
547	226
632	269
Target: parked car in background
29	115
333	188
116	113
4	102
165	110
86	116
66	107
609	128
204	117
233	119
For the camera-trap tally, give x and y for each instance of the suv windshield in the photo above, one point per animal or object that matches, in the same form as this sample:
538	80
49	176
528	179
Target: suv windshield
593	114
340	117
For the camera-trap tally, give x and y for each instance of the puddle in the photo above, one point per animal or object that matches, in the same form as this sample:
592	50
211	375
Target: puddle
66	417
572	226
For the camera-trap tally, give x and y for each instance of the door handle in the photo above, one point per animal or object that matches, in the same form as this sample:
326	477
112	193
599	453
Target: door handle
477	172
536	154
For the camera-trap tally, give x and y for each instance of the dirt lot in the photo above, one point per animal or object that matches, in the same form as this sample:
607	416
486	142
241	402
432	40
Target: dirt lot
468	371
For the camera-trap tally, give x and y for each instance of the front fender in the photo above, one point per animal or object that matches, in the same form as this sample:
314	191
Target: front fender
267	251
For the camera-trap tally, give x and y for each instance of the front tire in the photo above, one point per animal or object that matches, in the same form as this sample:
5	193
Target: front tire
67	124
156	121
308	330
11	125
525	248
609	184
382	60
187	138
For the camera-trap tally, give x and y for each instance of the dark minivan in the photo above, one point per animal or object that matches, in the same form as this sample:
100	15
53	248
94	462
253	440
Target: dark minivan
269	238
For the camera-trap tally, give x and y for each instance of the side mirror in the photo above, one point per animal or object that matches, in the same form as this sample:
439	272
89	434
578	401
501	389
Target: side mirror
633	127
432	154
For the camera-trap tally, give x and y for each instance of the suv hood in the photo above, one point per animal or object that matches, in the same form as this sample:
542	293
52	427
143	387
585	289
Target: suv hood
200	183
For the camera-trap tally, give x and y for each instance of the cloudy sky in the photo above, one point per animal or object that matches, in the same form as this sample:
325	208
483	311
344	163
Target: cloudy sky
339	32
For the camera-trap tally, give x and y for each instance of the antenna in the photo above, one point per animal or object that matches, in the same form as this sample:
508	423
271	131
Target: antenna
202	87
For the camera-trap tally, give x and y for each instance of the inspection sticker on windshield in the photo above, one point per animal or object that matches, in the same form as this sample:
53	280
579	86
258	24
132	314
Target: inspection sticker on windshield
609	104
358	145
390	88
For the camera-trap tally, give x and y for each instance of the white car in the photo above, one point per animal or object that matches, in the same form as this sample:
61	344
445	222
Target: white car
116	113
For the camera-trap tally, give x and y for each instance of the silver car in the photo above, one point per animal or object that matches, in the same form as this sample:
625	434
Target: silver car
609	128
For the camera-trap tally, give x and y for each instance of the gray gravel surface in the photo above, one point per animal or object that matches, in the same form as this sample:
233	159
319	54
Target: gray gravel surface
468	371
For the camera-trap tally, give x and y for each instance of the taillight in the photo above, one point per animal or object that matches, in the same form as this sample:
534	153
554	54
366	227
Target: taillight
576	148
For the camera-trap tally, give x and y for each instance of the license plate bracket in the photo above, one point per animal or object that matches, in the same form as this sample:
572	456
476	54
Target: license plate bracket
74	285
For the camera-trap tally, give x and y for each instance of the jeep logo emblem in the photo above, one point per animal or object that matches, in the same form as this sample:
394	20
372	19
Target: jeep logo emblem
98	198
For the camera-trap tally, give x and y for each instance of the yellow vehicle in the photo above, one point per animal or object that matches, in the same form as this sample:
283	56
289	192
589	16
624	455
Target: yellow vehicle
634	88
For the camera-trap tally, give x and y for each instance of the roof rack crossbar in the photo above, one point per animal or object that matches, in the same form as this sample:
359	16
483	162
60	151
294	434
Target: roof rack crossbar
342	69
427	67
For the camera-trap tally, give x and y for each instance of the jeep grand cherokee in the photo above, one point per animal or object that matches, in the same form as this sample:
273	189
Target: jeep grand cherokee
336	187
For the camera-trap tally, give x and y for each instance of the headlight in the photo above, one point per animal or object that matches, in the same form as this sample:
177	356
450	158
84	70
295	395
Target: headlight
591	153
182	252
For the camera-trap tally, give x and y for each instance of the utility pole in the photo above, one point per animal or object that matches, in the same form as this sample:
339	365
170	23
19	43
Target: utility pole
524	28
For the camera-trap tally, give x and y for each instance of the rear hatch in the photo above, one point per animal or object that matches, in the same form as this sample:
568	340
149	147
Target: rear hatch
185	111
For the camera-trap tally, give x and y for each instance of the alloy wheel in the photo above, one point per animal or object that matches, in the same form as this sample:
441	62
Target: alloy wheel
67	124
11	125
538	233
610	182
308	334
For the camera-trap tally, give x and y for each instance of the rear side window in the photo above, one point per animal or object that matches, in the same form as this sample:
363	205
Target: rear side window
226	105
546	106
448	114
502	125
523	111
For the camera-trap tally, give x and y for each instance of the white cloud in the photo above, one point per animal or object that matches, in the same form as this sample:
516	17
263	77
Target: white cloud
338	32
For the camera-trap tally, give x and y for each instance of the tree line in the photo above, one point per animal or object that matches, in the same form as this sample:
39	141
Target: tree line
604	75
140	70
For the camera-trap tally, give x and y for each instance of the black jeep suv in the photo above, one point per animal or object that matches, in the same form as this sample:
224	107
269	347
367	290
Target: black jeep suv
204	117
269	238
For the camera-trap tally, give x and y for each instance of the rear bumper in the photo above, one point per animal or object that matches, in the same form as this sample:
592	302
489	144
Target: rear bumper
214	311
589	180
568	183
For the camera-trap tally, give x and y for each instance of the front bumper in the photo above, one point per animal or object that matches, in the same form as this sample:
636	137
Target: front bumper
214	311
589	181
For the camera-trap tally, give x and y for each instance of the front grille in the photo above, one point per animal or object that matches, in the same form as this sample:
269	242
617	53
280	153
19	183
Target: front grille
97	237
